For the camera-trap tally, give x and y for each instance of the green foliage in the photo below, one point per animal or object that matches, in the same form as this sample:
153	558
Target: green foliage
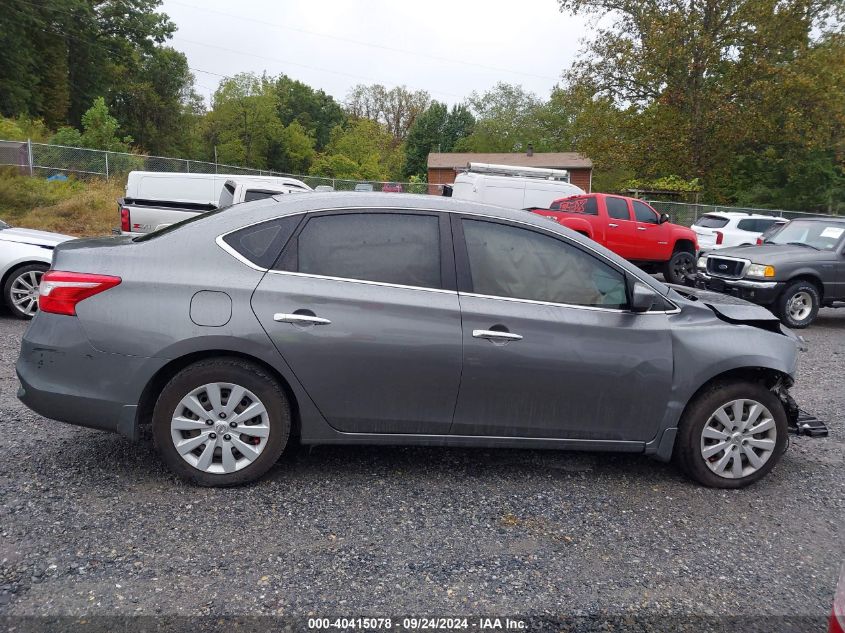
666	183
23	128
396	108
19	194
317	112
364	150
507	120
99	131
438	129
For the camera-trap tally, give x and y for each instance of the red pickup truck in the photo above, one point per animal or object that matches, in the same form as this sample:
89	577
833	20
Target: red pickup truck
631	229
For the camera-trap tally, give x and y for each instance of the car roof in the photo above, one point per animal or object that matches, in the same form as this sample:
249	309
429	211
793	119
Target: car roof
742	215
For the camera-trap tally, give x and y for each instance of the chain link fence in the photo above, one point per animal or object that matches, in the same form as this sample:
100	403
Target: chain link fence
39	159
685	214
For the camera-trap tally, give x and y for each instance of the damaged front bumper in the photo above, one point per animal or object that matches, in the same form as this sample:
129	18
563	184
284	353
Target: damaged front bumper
799	421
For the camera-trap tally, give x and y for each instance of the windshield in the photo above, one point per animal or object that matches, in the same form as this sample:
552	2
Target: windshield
818	234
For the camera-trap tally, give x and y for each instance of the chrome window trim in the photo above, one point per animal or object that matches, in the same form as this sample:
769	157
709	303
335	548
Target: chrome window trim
568	305
360	281
231	251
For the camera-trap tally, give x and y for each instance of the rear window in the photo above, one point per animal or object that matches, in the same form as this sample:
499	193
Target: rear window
587	206
262	243
617	208
711	222
259	194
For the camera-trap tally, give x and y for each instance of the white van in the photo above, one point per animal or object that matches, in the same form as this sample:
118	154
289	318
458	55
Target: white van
513	187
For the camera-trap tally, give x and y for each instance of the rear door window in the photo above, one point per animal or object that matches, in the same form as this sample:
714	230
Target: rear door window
617	208
392	248
756	225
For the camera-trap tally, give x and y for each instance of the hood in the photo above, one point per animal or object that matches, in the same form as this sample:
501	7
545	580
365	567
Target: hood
774	254
31	236
727	307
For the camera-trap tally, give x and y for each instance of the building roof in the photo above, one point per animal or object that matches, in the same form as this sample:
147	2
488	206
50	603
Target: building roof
551	160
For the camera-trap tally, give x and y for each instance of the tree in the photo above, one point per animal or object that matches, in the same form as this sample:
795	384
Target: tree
99	131
703	83
437	129
242	123
506	121
364	150
396	108
317	112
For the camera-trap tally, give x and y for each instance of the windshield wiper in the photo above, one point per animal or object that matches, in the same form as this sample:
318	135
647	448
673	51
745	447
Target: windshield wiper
803	244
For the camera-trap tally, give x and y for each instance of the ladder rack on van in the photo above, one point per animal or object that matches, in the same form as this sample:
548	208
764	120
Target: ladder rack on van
524	172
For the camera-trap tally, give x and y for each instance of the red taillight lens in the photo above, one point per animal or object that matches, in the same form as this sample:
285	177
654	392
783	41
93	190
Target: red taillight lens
60	291
759	241
124	219
719	237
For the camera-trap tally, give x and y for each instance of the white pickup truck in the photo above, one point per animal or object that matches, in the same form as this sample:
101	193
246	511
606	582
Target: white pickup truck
154	200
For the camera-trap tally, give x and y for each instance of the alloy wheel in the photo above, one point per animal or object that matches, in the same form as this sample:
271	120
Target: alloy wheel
800	305
24	291
738	439
220	428
683	266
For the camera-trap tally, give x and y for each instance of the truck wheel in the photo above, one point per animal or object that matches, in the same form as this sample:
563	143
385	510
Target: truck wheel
798	305
679	267
731	435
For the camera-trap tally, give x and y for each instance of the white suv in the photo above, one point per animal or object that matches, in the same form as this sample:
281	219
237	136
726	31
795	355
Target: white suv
721	230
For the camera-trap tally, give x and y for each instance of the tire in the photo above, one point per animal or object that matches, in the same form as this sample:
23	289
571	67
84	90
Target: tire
799	304
217	459
19	281
698	453
679	266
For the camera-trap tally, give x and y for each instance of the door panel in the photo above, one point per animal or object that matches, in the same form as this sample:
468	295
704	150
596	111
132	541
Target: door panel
576	373
621	229
389	361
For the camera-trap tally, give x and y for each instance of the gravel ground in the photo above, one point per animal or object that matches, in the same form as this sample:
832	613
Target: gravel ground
92	525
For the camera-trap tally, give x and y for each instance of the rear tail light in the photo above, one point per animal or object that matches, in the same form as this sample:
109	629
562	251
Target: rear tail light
60	291
759	241
124	220
719	237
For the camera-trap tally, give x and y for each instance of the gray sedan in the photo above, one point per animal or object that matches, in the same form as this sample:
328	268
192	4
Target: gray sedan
344	318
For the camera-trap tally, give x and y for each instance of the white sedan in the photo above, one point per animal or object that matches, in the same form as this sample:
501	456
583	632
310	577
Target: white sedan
24	256
731	228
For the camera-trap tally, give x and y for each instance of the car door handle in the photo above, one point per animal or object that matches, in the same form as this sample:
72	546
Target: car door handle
493	335
642	228
300	319
613	226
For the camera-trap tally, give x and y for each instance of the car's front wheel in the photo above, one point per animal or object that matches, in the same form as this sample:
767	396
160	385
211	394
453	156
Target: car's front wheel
221	422
731	435
799	304
20	291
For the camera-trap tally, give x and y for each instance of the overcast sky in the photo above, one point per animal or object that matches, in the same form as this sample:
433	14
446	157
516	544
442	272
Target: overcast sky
448	48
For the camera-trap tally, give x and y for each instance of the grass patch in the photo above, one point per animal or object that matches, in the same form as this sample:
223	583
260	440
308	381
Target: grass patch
74	207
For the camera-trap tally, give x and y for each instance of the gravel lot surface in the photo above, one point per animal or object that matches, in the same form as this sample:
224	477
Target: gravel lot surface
91	524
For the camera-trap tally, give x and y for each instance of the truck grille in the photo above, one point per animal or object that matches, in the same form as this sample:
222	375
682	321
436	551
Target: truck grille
722	267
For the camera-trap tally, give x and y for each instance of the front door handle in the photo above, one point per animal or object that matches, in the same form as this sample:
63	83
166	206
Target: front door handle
613	226
642	228
300	319
494	335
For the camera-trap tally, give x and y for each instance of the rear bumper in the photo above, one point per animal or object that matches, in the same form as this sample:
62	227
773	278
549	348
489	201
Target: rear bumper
64	378
760	292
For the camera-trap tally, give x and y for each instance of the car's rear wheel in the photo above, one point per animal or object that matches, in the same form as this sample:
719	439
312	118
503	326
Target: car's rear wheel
731	435
799	304
680	267
20	291
221	422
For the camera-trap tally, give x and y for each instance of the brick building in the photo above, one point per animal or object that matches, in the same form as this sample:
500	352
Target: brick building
443	167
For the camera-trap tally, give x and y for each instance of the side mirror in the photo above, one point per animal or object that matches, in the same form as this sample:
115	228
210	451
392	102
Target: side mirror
642	297
664	217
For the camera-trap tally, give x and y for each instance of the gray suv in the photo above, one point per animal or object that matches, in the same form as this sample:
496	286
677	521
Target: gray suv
797	270
345	318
